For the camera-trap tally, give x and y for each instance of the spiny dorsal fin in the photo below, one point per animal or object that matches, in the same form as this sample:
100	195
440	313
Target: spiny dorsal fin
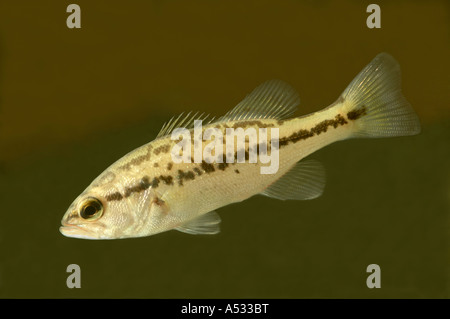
273	99
305	180
207	224
182	120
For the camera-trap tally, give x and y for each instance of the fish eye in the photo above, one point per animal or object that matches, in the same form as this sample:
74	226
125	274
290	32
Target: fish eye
92	208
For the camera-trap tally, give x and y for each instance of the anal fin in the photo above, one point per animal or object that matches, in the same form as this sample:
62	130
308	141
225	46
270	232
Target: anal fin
207	224
305	180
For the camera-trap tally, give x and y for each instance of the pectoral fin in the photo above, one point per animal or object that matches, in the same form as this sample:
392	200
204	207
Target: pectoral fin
207	224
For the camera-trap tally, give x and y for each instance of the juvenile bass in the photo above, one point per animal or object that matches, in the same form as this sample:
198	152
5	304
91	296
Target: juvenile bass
146	192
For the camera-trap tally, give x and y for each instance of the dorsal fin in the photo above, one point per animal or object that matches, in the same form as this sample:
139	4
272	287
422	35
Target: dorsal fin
273	99
183	120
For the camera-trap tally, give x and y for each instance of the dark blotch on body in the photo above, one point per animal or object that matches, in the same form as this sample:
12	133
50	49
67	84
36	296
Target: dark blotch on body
162	149
138	160
143	184
356	114
222	166
189	175
208	168
168	180
198	171
113	197
155	182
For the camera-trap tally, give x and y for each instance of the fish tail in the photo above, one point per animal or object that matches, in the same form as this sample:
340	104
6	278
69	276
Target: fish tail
374	103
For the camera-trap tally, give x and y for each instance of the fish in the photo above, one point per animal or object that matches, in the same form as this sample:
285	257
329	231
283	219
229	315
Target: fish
150	191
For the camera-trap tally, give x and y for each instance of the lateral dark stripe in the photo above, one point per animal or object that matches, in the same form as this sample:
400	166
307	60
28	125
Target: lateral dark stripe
208	168
321	127
143	184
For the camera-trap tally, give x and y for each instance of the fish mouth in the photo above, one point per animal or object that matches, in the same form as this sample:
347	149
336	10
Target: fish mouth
75	231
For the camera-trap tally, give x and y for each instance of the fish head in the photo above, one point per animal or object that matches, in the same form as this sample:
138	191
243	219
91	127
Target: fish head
91	216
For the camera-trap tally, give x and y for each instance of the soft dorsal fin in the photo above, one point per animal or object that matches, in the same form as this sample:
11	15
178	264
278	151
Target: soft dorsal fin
273	99
305	180
207	224
183	120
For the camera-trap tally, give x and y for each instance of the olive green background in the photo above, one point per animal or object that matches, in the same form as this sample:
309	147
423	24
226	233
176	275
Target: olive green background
72	101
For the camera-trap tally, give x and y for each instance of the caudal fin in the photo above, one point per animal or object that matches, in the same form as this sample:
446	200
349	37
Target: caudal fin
375	103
